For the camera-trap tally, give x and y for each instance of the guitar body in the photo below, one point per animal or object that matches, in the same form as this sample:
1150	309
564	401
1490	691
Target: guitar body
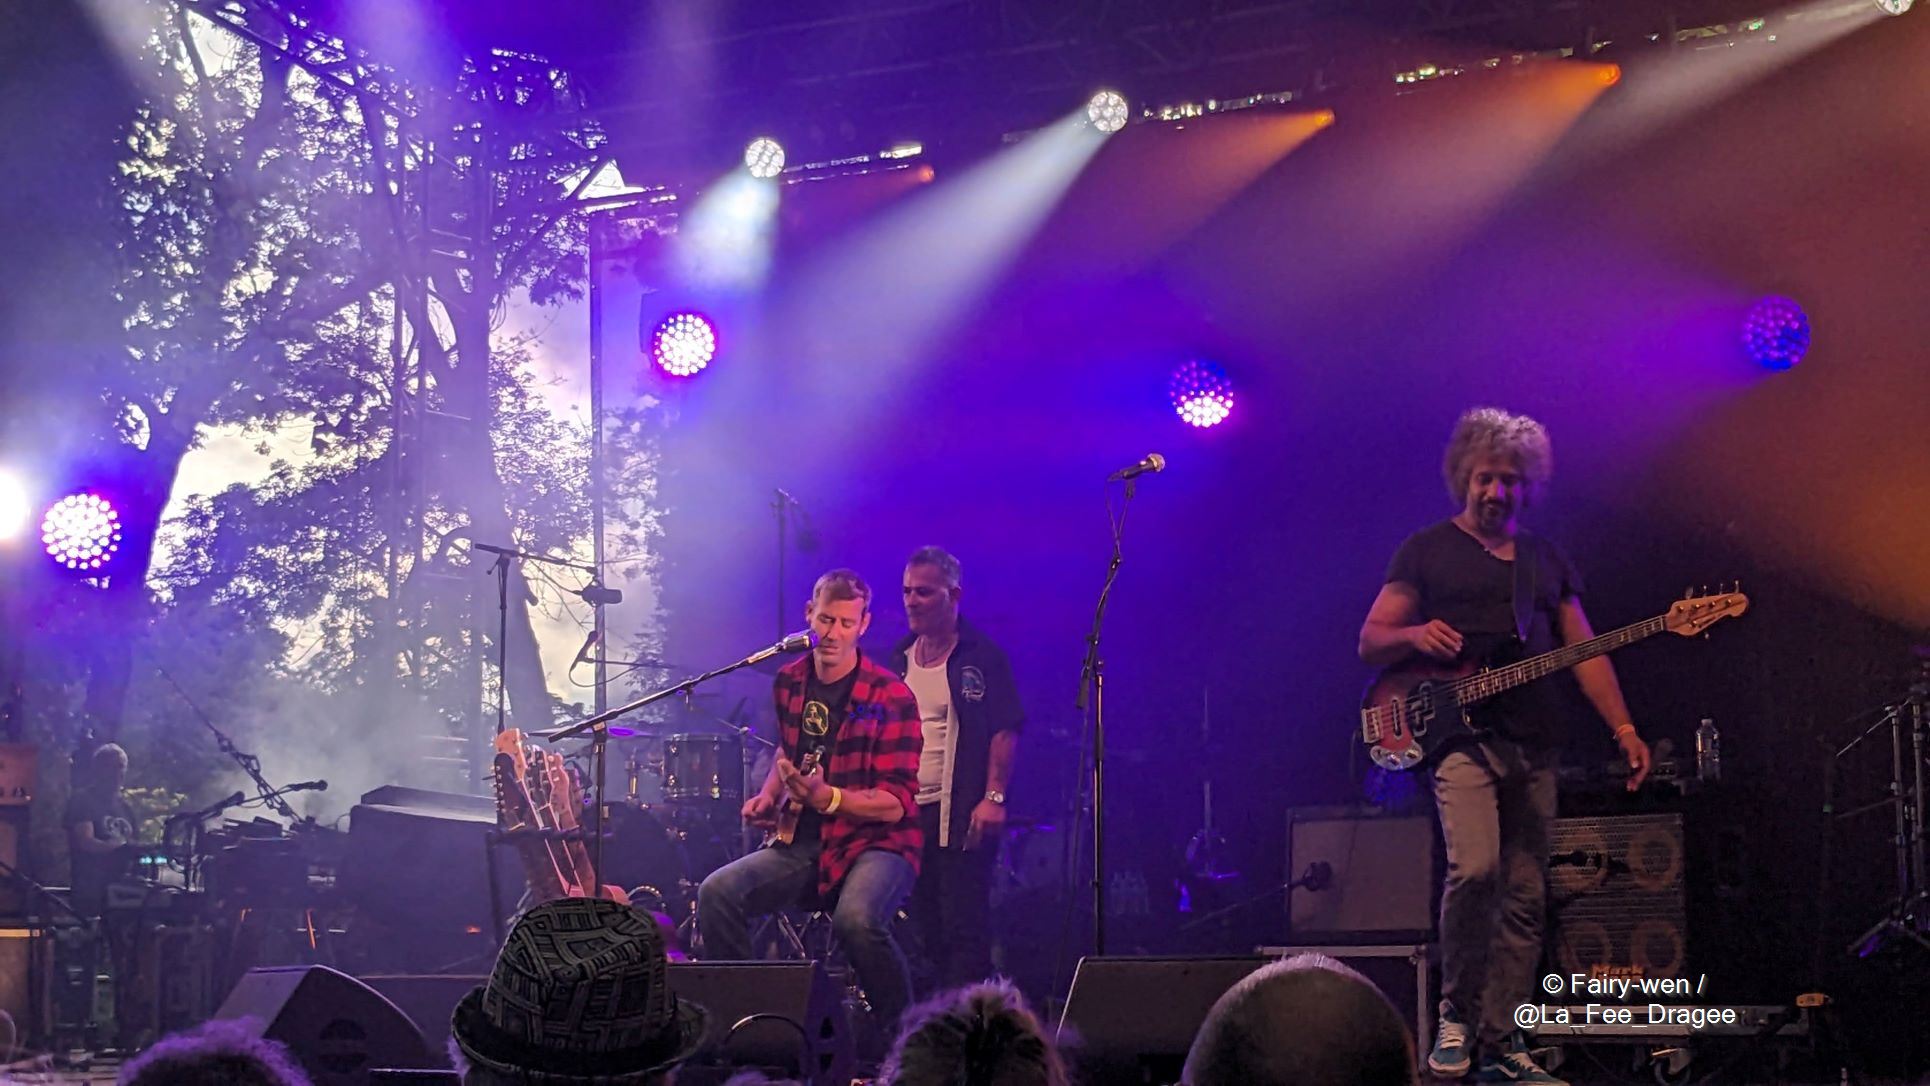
791	811
1417	712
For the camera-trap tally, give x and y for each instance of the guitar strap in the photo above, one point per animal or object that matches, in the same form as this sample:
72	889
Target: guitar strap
1526	570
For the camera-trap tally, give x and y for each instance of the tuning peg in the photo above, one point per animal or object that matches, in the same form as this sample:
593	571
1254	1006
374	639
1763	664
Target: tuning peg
1688	593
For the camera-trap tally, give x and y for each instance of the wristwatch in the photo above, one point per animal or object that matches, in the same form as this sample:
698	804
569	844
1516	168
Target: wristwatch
995	797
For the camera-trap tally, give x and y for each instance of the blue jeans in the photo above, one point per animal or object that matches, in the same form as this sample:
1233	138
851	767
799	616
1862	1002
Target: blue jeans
772	878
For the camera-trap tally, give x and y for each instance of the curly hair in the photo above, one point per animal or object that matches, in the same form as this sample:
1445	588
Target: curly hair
224	1052
979	1035
1491	431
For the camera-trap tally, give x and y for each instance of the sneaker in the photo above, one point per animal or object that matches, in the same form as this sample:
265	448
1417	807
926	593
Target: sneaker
1512	1063
1451	1055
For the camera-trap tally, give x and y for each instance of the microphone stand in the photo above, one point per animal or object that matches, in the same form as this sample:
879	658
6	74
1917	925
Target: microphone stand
1092	685
501	569
249	764
598	728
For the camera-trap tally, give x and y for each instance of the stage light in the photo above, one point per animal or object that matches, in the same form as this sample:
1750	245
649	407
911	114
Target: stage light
1894	7
1202	394
1609	74
1776	333
81	531
764	158
683	344
15	509
1107	111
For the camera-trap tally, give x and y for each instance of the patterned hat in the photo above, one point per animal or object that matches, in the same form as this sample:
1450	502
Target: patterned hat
580	994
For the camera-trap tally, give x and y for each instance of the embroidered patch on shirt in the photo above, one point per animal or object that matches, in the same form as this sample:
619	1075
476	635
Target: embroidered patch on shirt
971	683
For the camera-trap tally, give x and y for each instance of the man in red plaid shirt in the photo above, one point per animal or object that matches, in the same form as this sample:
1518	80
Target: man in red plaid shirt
858	834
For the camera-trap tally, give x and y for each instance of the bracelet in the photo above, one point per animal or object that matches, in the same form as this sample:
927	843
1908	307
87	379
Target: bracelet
1623	728
837	797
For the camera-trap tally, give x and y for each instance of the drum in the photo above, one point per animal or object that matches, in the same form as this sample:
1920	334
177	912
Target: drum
707	770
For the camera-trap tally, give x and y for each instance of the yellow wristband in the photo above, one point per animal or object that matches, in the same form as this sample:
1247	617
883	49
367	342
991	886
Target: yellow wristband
837	797
1623	728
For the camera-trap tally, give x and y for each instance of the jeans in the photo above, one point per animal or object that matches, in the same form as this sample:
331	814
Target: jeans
953	905
1496	803
772	878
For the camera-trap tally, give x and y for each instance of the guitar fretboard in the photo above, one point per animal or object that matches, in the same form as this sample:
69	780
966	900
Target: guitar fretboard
1487	684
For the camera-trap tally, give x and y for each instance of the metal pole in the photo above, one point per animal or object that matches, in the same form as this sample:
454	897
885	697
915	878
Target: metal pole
597	495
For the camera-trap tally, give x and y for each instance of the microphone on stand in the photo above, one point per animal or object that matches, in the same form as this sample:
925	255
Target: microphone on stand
583	654
1152	462
797	642
308	786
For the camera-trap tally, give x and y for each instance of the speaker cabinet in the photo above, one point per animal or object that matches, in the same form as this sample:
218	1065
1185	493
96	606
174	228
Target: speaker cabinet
429	1001
1133	1019
1373	878
760	1001
337	1027
1616	896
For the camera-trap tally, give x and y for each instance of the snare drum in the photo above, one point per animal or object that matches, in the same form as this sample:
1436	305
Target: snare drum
706	770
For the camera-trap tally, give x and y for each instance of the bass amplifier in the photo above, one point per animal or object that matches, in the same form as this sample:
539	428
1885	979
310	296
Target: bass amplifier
1617	898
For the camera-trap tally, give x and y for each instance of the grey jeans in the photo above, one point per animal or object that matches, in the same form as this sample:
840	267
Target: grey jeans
1497	804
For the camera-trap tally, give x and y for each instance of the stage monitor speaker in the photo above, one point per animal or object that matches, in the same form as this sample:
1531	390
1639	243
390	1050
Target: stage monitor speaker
1133	1019
429	1001
1374	876
337	1027
1616	895
780	993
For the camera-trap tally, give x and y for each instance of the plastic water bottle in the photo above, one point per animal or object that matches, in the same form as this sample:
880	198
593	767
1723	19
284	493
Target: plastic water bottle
1708	751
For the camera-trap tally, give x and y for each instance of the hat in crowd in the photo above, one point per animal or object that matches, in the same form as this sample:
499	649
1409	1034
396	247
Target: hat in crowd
580	993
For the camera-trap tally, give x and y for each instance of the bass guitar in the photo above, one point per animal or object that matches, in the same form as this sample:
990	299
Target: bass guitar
791	810
1413	709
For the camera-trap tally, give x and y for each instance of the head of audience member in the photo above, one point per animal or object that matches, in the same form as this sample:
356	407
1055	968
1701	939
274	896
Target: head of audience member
759	1078
1306	1021
224	1052
979	1035
579	996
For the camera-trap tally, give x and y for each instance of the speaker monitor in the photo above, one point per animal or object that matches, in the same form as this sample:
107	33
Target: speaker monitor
1130	1018
429	1001
1376	879
1616	895
337	1027
796	992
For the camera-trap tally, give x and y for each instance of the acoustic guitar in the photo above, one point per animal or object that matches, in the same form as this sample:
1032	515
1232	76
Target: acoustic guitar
1415	708
791	810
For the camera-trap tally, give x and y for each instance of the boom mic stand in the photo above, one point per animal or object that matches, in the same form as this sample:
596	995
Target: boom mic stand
594	594
598	726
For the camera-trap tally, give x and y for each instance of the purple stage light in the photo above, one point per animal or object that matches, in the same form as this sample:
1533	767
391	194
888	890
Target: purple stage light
1202	393
683	344
81	532
1776	333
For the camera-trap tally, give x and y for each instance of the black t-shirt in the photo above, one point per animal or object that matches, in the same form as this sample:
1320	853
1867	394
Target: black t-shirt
825	707
111	817
1463	585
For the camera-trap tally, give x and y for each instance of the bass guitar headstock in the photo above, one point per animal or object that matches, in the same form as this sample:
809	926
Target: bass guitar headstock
1693	614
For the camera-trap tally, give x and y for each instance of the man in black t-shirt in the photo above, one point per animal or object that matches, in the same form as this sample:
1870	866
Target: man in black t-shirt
1450	595
100	829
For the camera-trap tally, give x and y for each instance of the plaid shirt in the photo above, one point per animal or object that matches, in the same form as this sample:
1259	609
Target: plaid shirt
877	747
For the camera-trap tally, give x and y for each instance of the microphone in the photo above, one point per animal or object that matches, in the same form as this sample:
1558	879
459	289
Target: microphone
797	642
308	786
583	654
1152	462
